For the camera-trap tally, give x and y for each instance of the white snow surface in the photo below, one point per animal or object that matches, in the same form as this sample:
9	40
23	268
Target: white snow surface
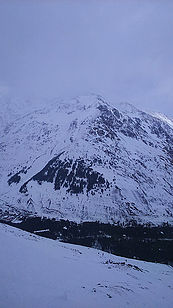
164	118
139	169
42	273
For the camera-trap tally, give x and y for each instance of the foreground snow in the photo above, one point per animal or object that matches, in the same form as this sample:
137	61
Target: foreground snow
41	273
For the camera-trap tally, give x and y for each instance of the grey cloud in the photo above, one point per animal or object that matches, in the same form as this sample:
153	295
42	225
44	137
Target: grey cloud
119	49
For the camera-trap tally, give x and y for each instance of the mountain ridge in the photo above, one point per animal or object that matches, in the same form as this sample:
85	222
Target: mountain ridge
87	160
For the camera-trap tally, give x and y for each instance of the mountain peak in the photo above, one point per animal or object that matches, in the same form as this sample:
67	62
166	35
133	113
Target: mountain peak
128	108
84	159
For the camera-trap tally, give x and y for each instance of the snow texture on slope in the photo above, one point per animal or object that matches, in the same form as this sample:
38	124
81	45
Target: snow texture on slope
41	273
84	159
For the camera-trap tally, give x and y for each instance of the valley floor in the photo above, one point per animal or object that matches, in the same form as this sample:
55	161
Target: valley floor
41	273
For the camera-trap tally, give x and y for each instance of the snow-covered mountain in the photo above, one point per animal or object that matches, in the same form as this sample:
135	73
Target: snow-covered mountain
41	273
84	159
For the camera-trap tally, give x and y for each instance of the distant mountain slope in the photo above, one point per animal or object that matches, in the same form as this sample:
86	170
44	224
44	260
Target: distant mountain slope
87	160
41	273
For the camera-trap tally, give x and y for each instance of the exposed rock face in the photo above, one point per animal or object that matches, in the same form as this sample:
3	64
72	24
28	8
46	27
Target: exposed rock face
76	177
86	160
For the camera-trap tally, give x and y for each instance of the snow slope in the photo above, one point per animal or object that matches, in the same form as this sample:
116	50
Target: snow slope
84	159
164	118
41	273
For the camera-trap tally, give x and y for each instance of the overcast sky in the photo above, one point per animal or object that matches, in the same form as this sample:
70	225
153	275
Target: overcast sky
121	49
